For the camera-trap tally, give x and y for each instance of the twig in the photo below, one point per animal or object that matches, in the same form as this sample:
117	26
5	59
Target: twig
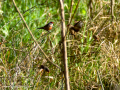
90	8
112	9
33	36
70	13
74	11
70	10
67	85
99	12
4	48
31	49
103	29
72	17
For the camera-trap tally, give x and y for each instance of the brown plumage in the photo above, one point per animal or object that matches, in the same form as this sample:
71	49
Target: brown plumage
78	25
72	31
46	69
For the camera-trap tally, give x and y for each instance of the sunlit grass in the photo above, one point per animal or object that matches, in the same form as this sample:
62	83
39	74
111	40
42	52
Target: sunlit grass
92	63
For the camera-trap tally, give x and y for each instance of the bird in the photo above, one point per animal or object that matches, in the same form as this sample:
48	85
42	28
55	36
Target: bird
71	29
44	68
47	27
78	25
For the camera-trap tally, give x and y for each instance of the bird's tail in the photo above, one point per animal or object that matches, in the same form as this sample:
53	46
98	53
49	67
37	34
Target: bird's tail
41	28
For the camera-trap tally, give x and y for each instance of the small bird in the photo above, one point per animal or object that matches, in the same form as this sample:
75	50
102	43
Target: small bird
71	29
47	27
46	69
78	25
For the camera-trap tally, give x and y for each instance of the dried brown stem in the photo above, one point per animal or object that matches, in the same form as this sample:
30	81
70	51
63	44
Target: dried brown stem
67	85
112	9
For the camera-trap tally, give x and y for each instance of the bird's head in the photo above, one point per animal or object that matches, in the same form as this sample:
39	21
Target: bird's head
52	22
68	25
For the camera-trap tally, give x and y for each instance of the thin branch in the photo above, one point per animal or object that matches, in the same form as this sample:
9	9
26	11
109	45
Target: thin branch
90	8
72	16
70	13
4	48
112	9
67	85
33	36
75	11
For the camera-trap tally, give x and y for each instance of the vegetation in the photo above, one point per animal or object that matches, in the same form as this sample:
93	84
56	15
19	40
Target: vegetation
93	54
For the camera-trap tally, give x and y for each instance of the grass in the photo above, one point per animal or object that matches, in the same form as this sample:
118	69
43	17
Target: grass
93	63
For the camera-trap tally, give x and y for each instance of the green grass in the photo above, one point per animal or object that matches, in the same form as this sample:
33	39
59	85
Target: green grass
92	62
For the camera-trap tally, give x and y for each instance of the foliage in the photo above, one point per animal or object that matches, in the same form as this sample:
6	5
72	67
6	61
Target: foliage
93	55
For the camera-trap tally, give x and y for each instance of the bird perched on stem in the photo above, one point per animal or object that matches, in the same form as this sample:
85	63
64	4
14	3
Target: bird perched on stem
47	27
